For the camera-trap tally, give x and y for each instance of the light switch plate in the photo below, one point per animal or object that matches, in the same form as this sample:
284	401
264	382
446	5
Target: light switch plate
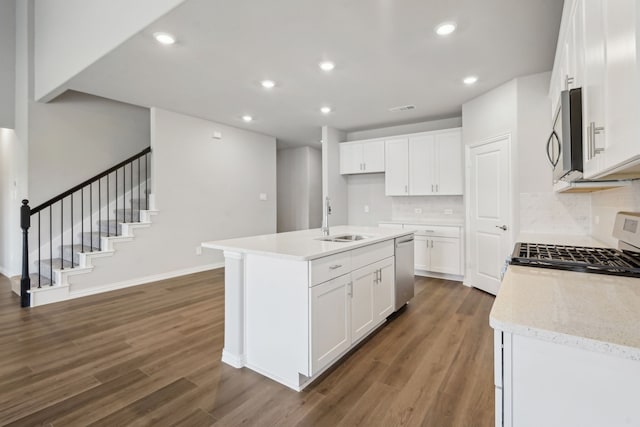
366	208
417	210
217	135
263	196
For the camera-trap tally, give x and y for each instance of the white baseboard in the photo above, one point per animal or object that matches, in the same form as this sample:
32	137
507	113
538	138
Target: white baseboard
144	280
232	359
5	272
453	277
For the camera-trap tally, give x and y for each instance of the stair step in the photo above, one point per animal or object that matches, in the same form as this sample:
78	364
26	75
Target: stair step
69	251
112	226
93	241
43	281
127	215
47	265
139	203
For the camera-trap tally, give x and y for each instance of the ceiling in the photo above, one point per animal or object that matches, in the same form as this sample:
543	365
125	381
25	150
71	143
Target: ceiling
386	54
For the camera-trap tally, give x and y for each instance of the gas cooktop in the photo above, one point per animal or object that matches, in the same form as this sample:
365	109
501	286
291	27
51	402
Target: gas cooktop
577	258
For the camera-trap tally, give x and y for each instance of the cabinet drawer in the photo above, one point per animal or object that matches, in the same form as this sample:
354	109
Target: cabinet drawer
327	268
372	253
434	230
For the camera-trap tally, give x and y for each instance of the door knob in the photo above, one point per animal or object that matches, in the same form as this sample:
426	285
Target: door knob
502	227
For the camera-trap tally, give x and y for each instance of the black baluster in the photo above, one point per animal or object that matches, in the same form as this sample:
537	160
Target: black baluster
108	215
50	245
61	234
131	191
139	189
117	202
71	231
146	185
82	216
100	213
25	280
91	215
39	275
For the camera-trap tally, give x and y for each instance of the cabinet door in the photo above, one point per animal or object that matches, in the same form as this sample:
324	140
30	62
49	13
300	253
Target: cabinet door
373	156
593	102
351	158
445	255
362	319
449	170
622	85
397	167
421	252
384	290
422	154
330	313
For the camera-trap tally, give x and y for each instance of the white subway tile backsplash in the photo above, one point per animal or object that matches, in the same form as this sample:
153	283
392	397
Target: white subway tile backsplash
420	207
606	204
555	213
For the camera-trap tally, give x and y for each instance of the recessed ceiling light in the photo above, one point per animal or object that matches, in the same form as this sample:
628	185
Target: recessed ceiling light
445	28
325	110
164	38
470	80
268	84
247	118
327	65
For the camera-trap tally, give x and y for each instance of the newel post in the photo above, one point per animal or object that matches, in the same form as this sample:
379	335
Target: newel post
25	280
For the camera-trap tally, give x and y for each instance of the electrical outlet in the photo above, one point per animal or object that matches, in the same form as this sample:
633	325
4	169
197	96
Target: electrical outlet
448	211
217	135
198	250
366	208
417	210
263	196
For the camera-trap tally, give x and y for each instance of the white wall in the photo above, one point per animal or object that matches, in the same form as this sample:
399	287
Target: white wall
72	34
299	188
205	189
334	185
81	135
452	122
7	62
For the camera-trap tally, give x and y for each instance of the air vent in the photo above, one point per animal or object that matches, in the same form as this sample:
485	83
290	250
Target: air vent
402	108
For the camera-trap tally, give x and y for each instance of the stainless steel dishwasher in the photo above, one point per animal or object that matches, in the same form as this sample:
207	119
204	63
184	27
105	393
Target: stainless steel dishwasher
404	270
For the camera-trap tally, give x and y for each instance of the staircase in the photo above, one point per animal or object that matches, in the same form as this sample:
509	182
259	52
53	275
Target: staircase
86	222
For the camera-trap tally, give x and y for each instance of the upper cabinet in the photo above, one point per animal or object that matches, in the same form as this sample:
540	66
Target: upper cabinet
598	51
425	164
362	157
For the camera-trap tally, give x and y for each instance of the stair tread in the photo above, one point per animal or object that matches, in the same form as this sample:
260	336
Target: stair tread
81	248
44	281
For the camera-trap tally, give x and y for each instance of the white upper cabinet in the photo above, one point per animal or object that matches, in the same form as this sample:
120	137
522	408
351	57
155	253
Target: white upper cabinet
598	51
361	157
397	167
425	164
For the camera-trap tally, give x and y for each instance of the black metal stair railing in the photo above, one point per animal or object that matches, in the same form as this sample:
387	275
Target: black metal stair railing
121	175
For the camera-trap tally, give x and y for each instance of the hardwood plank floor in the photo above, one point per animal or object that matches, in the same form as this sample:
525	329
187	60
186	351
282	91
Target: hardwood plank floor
150	355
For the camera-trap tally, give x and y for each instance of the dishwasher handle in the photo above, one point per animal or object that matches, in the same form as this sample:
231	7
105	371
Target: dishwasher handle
404	242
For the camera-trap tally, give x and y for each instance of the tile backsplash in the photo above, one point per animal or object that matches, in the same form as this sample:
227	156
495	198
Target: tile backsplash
555	213
417	207
606	204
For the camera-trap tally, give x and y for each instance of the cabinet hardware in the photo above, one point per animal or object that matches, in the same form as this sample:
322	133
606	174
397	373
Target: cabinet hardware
436	188
406	189
364	166
432	188
333	267
350	289
432	244
379	275
590	141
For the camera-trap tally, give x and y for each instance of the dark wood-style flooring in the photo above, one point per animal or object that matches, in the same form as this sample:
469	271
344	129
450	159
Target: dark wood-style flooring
150	355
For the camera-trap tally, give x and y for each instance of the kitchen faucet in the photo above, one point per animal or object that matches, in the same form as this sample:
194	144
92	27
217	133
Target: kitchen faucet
327	212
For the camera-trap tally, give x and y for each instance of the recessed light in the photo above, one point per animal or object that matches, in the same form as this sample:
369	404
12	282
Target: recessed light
268	84
325	110
164	38
247	118
445	28
327	65
470	80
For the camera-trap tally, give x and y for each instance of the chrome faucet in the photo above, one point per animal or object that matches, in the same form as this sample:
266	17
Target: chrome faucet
327	212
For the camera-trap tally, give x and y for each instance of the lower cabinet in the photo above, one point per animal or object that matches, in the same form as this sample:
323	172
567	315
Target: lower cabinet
347	308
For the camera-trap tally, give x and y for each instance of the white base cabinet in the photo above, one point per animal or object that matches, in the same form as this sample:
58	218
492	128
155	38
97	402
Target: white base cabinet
543	383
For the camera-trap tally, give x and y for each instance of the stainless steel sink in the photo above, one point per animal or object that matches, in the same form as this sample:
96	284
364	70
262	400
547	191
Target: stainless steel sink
344	238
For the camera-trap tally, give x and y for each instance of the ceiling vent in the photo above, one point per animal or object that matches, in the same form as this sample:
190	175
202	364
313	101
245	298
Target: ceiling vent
402	108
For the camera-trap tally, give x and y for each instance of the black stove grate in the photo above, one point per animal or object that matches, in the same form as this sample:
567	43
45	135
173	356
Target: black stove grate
577	258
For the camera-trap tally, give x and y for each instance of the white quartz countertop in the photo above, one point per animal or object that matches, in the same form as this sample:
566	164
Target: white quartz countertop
427	221
304	245
591	311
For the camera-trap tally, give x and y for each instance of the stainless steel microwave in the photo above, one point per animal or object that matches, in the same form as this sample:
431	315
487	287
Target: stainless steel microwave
564	146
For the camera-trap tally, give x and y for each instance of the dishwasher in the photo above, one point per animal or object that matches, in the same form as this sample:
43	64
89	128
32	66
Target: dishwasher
404	270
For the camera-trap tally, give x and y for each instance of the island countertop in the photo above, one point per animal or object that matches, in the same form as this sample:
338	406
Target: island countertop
305	245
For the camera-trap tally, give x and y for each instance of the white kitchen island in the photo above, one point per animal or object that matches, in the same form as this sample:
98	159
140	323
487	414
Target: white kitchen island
294	304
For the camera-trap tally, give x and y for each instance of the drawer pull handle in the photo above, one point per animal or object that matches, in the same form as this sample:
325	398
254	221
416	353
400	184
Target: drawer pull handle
333	267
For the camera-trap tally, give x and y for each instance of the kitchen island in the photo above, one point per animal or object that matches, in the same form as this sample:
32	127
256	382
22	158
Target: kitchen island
567	346
296	302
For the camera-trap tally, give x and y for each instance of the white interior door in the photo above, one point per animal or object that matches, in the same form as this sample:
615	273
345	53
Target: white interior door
489	212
